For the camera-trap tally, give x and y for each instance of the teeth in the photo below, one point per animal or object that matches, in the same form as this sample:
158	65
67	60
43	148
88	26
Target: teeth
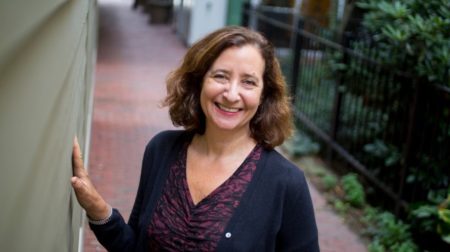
227	109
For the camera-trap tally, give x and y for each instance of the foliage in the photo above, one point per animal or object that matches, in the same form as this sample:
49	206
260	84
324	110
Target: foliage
301	144
444	220
433	216
316	88
354	191
407	37
431	177
386	152
340	206
329	181
412	34
388	233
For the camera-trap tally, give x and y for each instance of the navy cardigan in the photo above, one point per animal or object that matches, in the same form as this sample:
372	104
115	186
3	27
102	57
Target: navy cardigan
275	213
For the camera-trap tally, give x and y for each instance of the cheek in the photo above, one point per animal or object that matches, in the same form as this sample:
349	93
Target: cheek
253	101
212	90
259	99
206	95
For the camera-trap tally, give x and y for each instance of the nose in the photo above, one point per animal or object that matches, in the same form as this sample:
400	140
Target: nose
231	92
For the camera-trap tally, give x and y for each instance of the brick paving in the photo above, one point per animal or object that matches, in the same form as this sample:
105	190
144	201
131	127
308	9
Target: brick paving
133	61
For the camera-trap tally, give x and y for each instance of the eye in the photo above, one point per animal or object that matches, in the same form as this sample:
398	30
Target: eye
219	76
249	82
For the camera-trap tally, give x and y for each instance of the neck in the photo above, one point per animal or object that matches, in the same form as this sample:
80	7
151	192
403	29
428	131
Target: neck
224	143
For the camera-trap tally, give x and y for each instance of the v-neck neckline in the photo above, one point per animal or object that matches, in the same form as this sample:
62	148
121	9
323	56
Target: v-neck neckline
214	192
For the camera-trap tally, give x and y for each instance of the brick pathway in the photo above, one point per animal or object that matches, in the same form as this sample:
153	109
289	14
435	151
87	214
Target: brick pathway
133	61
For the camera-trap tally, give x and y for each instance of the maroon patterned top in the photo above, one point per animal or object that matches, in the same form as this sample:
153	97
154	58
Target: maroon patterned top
179	225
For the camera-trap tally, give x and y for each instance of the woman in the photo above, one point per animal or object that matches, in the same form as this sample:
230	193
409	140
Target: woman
218	185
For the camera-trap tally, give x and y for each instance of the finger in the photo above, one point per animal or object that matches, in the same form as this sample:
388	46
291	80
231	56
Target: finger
81	191
77	160
78	184
75	183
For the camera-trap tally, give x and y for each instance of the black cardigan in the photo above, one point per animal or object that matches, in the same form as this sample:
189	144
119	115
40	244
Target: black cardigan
275	213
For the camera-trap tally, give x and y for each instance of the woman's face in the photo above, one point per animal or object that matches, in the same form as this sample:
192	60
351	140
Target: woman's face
232	88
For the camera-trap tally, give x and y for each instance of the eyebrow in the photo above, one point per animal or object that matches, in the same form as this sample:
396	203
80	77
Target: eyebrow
219	70
244	75
250	75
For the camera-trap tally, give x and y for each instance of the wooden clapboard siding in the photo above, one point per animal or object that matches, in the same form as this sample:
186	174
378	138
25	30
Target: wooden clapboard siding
47	58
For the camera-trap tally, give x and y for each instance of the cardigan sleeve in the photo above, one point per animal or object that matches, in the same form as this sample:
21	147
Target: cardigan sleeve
116	235
298	231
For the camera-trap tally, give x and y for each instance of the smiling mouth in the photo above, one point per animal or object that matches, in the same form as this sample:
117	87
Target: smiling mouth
227	109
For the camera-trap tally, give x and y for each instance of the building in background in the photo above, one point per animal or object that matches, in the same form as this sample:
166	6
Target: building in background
193	19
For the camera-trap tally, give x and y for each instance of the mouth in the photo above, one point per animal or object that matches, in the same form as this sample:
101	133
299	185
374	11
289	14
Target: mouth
227	109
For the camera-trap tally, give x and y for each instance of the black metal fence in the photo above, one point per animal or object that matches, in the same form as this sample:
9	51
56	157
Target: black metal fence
390	127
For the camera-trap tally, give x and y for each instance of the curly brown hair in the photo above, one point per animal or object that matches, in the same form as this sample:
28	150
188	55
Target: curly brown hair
272	123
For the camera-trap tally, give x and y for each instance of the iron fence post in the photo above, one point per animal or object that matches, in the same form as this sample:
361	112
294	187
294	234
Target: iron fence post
295	74
410	131
337	102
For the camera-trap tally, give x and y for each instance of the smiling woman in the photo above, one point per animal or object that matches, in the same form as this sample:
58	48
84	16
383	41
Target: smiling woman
272	123
217	185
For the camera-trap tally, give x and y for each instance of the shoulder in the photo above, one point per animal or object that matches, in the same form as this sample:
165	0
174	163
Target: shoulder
284	173
164	143
166	138
167	135
160	150
277	163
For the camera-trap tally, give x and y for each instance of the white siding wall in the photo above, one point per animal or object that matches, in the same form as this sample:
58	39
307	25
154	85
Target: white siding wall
47	60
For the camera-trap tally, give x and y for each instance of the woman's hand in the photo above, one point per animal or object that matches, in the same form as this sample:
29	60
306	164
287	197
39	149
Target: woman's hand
88	197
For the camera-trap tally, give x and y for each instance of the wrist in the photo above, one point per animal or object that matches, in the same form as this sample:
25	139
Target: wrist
105	218
100	213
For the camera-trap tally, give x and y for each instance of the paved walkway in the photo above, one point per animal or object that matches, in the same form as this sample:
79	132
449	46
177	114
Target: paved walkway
133	61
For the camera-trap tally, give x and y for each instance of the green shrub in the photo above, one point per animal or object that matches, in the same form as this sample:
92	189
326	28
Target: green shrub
433	216
329	181
389	154
301	144
444	220
387	232
412	34
340	206
354	191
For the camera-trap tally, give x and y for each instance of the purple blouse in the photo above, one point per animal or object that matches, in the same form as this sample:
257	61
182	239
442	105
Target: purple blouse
178	224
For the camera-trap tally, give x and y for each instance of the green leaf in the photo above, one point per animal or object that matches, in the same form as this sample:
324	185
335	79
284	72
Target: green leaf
446	238
425	211
444	214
